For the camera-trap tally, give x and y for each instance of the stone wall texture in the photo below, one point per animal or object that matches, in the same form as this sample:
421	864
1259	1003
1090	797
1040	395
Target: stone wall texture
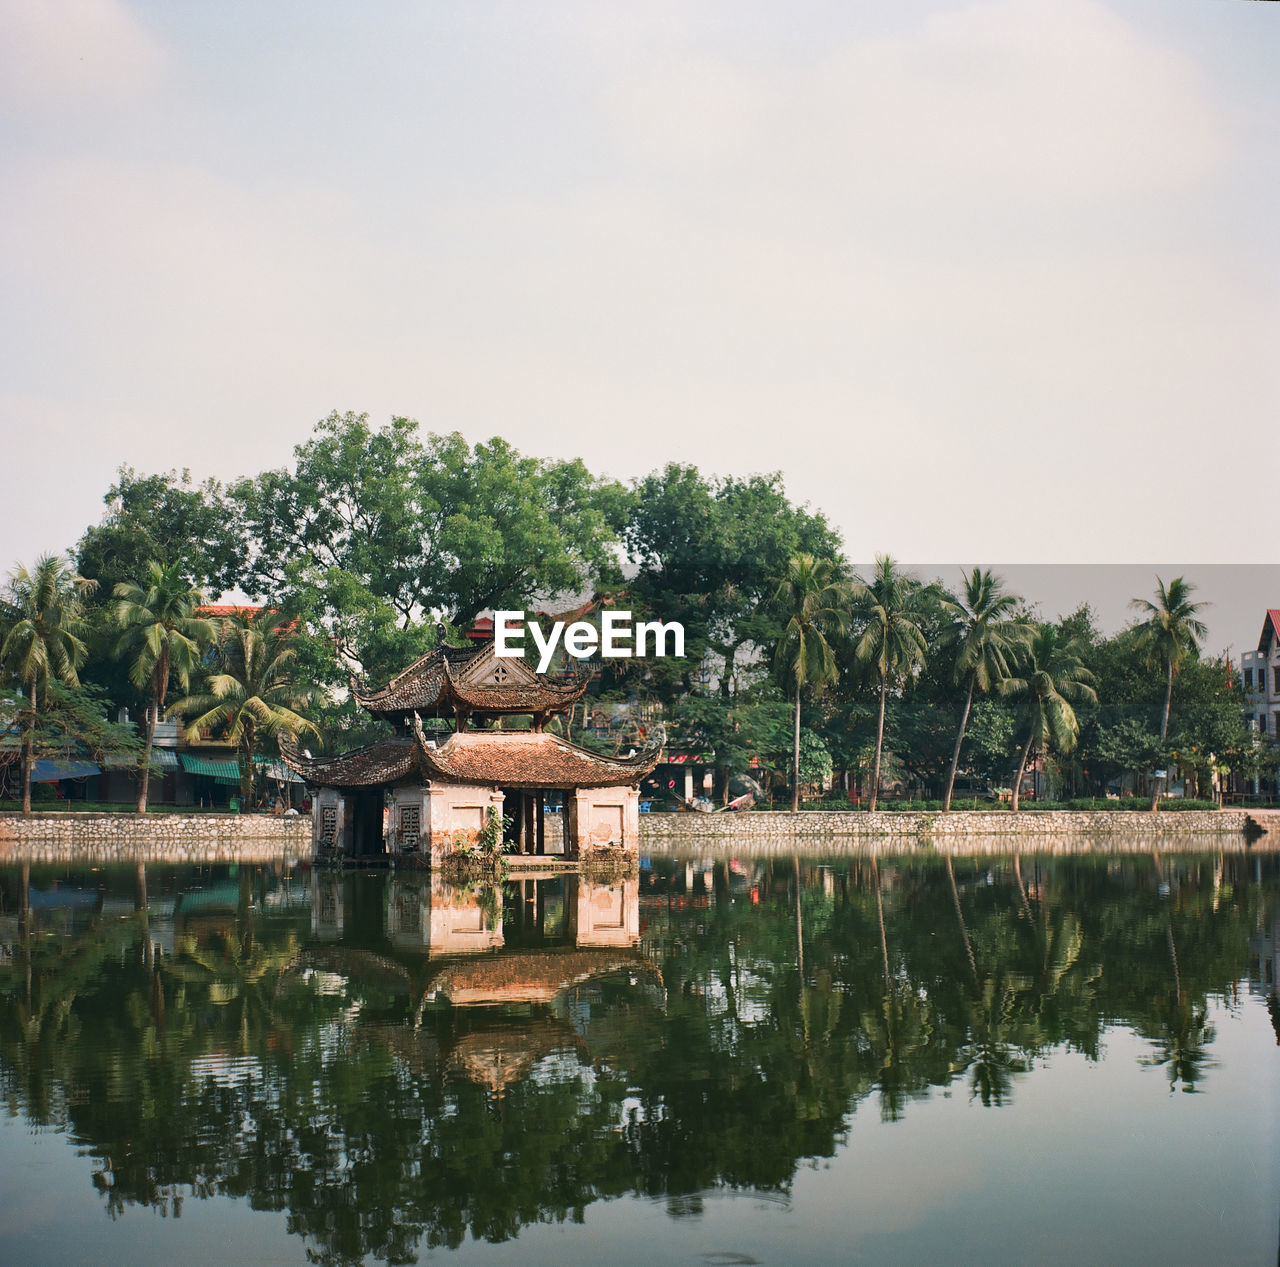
181	838
154	837
961	829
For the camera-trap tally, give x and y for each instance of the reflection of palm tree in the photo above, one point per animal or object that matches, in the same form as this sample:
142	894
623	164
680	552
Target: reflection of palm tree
1182	1047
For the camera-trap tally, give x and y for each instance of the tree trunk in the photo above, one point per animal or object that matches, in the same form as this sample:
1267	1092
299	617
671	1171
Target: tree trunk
246	768
144	769
1157	784
795	761
28	744
955	756
1022	769
875	778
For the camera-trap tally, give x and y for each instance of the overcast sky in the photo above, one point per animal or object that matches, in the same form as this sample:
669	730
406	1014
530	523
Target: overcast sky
986	281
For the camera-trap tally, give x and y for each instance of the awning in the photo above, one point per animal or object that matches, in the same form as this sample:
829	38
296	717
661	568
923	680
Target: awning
227	769
52	771
223	769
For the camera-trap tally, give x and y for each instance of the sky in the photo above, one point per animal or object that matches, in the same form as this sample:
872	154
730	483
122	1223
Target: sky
991	280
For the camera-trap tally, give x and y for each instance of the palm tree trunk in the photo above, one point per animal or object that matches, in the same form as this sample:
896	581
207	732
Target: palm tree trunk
875	778
955	756
28	747
795	759
246	767
1022	769
1157	785
144	770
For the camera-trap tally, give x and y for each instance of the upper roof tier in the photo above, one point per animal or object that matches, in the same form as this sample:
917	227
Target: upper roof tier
452	680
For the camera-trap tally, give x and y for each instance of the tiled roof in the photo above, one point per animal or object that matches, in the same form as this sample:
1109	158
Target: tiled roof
1270	628
532	759
434	685
387	761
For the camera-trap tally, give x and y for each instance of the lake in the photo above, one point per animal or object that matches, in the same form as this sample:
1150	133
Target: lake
769	1059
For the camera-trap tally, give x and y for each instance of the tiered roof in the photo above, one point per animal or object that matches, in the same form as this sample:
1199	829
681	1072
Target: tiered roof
458	681
451	680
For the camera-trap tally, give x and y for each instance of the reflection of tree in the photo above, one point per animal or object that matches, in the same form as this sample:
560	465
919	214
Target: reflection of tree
258	1063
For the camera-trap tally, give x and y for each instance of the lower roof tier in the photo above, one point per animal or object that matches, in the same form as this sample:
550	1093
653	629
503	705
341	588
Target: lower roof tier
485	758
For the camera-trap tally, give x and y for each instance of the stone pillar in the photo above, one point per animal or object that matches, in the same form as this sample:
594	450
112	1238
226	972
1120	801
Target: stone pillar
330	828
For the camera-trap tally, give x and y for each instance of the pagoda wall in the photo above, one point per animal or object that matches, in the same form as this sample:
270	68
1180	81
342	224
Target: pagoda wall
453	812
604	822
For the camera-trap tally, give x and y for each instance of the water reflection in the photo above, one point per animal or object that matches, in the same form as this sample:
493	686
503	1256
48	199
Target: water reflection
397	1062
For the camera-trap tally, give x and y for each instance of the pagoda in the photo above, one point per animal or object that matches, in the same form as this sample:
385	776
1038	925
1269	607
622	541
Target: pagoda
447	765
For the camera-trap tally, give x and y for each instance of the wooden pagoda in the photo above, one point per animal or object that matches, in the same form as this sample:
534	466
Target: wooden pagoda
432	784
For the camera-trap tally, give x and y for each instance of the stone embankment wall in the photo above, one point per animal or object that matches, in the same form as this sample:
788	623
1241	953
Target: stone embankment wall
960	830
154	837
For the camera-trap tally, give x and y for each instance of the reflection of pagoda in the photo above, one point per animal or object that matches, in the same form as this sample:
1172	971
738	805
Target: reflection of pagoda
440	786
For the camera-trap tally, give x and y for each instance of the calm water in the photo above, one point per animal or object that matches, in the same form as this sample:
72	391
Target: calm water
776	1061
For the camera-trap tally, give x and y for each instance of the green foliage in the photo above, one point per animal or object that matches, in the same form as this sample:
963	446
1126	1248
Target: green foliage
167	519
254	690
160	637
890	609
418	525
482	850
815	760
709	554
42	631
71	725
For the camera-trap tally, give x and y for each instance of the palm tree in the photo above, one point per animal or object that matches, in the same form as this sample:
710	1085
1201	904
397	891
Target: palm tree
41	623
162	636
986	636
1171	635
891	606
1053	679
253	690
814	601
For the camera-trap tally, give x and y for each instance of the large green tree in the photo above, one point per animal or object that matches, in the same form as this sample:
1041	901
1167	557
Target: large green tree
1170	634
254	690
814	602
890	607
161	636
41	640
1051	680
166	518
708	553
985	637
417	526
